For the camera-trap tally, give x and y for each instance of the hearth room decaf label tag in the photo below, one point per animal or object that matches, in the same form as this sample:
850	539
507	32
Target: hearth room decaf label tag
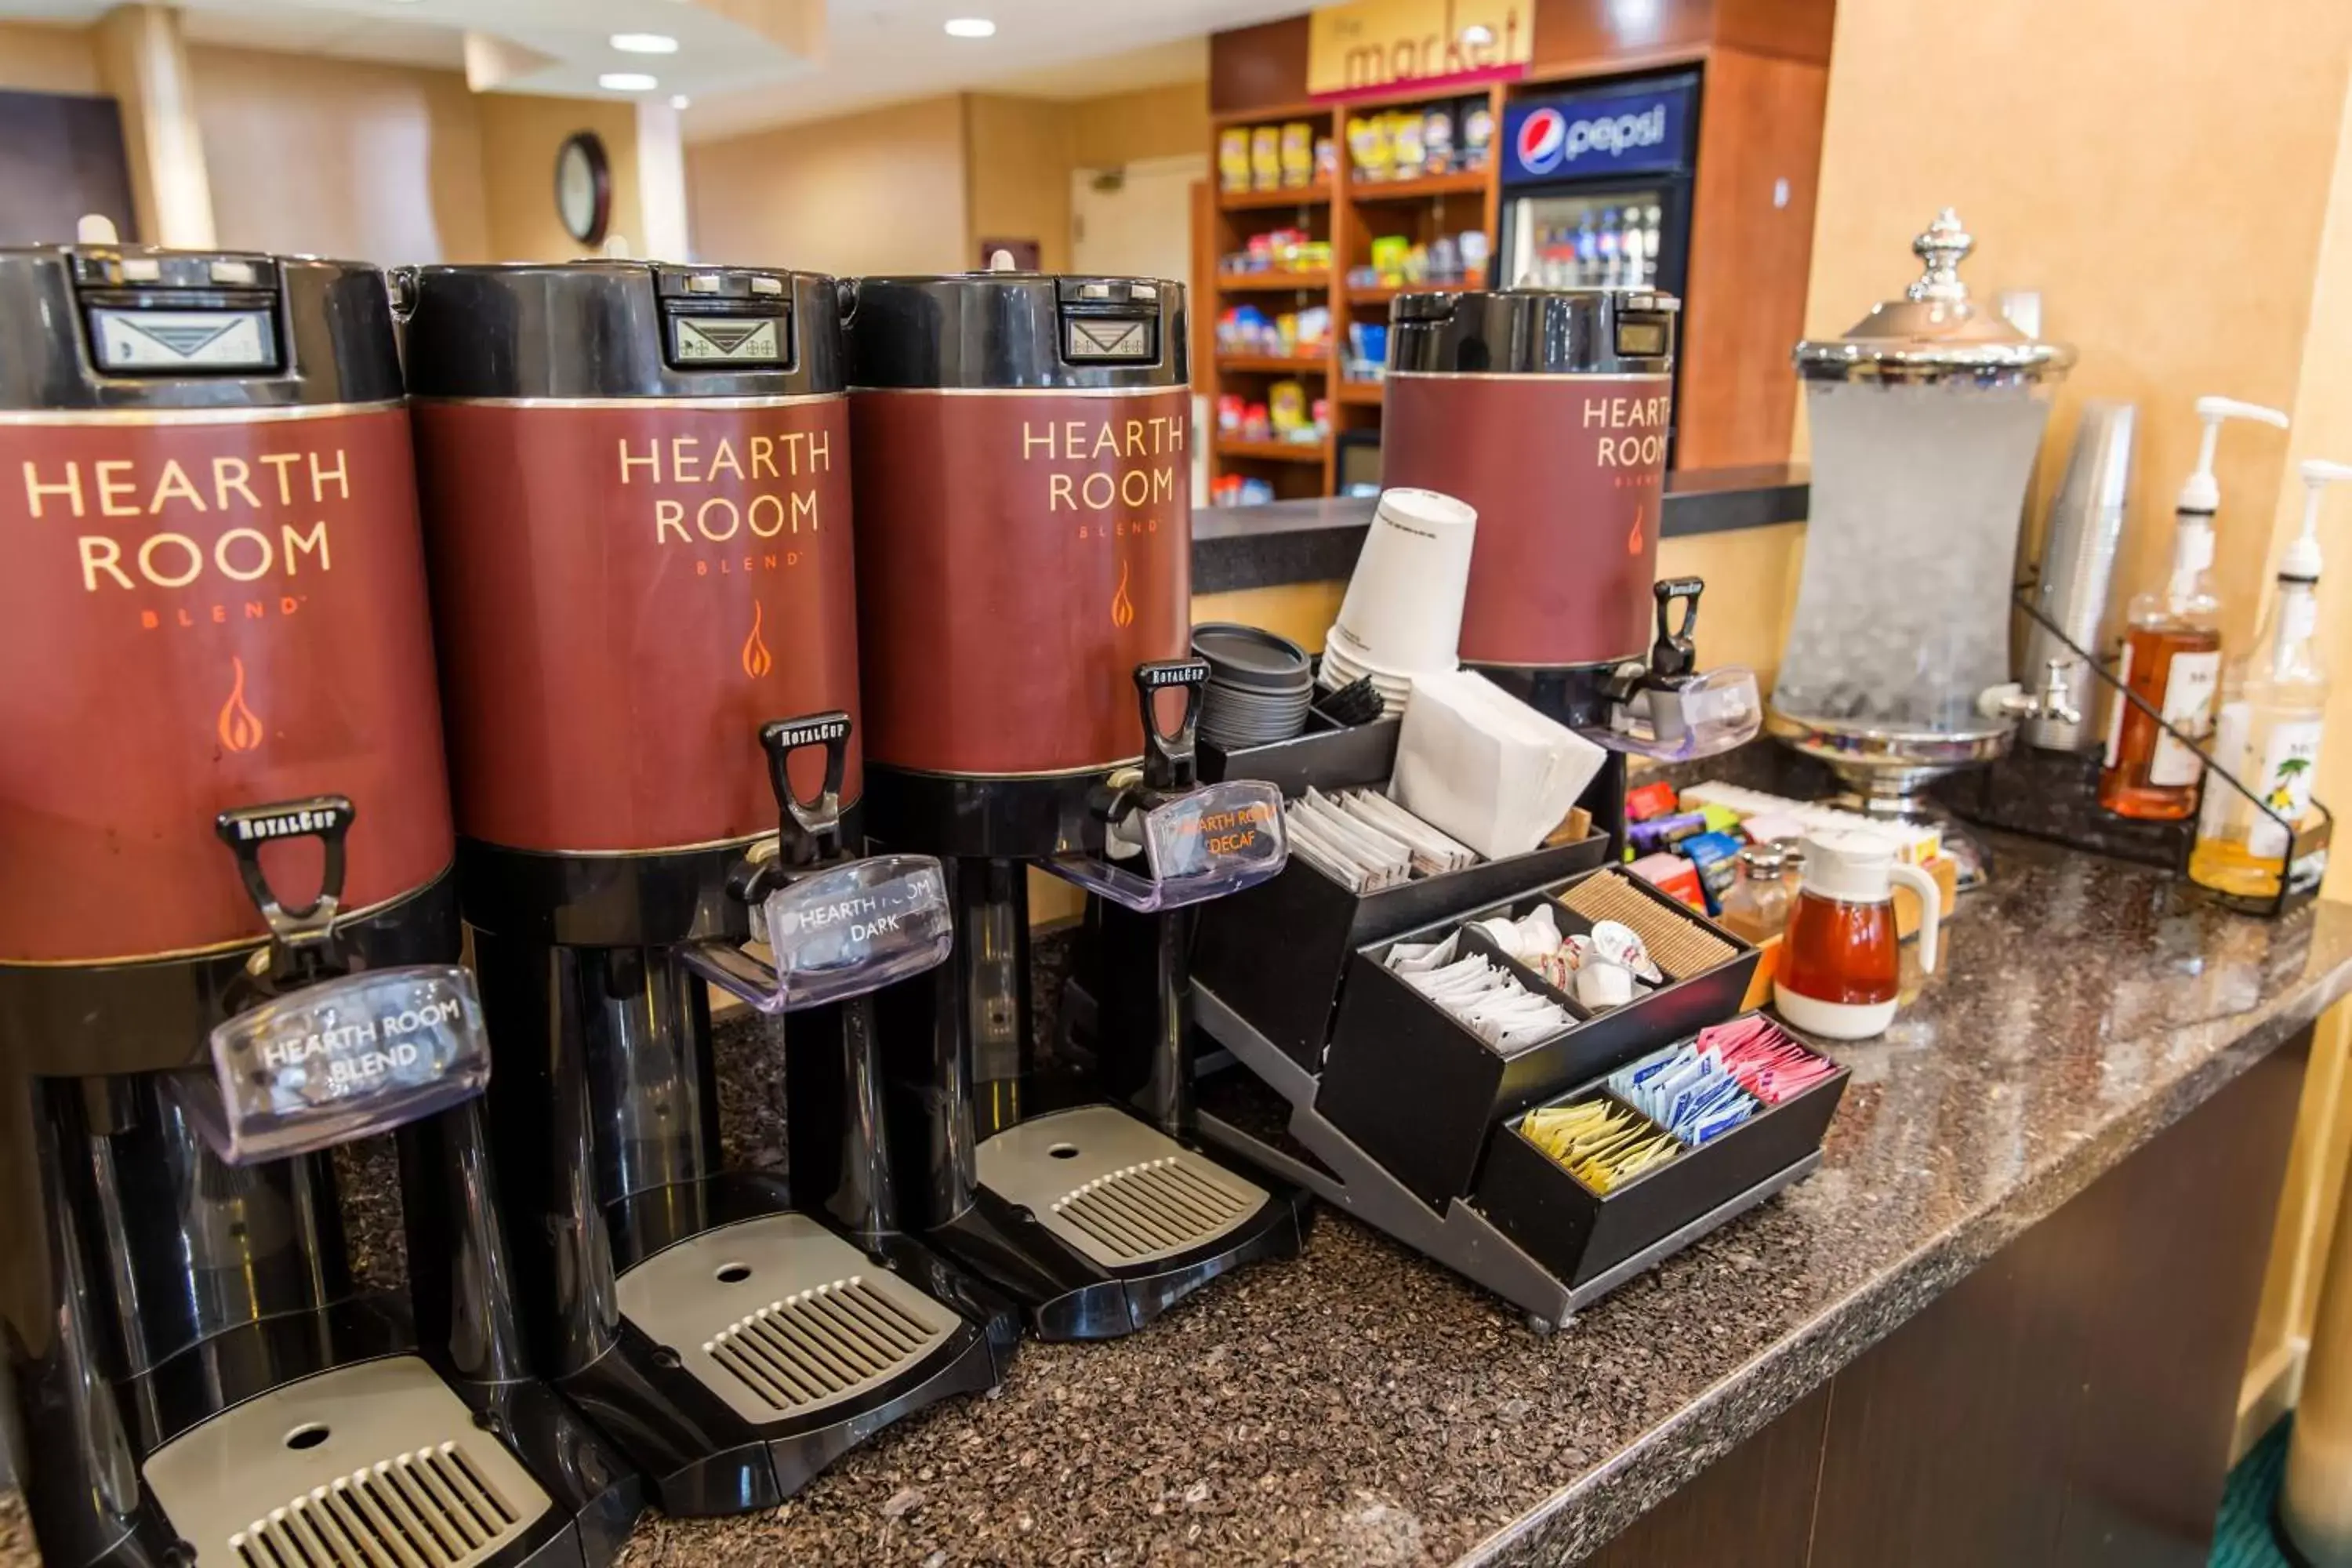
348	1058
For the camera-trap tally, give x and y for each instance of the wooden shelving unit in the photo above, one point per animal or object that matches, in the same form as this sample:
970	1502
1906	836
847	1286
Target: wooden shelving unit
1268	201
1273	282
1350	214
1274	451
1271	364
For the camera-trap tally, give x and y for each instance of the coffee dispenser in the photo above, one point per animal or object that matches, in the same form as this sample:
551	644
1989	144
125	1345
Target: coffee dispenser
1548	411
636	483
228	955
1023	536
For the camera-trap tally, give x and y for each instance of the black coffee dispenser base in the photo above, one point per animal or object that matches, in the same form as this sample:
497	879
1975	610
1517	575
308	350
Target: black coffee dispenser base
730	1406
1048	1239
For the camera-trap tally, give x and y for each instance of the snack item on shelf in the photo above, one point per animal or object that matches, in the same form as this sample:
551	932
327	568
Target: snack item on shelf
1234	159
1286	403
1326	160
1679	947
1716	855
1404	136
1297	154
1437	140
1266	158
1602	1143
1230	412
1477	135
1369	148
1388	253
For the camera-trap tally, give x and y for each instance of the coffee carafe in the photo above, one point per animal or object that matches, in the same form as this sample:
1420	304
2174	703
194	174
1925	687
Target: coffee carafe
636	491
258	1306
1548	411
1024	537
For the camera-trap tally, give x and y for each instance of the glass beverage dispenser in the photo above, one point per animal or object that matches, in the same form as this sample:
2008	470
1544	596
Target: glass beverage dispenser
1925	417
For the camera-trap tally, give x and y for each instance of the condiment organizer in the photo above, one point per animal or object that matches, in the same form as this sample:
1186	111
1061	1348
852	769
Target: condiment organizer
1277	953
1581	1234
1420	1092
1401	1121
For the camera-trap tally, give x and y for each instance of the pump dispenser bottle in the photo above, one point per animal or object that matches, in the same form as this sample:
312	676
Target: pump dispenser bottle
2269	730
2172	653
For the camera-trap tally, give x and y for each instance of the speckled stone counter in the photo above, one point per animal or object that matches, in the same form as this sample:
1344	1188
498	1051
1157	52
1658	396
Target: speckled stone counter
1363	1406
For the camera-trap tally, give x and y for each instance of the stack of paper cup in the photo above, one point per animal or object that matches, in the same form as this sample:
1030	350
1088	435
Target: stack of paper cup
1402	615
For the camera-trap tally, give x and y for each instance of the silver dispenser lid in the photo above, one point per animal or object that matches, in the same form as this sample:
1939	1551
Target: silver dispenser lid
1934	332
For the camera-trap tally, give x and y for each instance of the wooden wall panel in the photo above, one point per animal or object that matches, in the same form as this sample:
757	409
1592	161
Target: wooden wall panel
1751	244
1258	68
62	156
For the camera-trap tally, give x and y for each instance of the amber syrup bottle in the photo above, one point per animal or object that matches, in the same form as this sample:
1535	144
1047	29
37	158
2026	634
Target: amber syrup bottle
2172	652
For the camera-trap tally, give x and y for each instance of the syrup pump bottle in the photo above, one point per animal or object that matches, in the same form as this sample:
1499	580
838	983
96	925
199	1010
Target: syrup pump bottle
2269	730
2172	653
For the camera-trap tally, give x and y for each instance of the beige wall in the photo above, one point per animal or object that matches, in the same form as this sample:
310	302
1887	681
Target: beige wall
1150	123
879	191
2160	172
916	186
1018	154
521	134
346	158
36	57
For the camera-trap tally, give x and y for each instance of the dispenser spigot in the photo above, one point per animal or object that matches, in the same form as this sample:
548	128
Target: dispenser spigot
2054	701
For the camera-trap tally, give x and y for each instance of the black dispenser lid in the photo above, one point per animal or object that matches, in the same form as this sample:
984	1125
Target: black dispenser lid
1015	329
1534	332
101	325
621	329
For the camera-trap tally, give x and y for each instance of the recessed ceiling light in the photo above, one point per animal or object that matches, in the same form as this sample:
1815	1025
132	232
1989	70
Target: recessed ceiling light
627	81
679	100
1477	34
971	27
645	43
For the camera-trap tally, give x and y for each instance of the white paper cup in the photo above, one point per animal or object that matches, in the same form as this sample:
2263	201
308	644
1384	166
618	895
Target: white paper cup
1402	612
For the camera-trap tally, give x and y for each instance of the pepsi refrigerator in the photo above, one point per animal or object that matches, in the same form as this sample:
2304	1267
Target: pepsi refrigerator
1596	187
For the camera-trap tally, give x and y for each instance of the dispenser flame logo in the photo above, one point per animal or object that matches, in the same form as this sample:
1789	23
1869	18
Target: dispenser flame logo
238	728
1633	540
757	659
1122	608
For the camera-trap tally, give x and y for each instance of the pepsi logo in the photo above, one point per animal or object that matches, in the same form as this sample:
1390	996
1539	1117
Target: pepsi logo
1543	135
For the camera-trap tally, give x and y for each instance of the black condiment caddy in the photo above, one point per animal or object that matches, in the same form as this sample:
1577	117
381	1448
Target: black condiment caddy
1346	1080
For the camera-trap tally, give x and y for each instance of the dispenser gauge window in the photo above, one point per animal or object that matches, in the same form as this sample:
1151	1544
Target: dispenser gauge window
152	342
1641	340
728	340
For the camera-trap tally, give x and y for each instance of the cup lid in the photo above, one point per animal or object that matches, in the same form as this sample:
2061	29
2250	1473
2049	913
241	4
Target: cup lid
1252	657
1935	332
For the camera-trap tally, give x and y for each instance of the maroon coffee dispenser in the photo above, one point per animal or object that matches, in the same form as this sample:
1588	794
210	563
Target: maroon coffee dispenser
1548	410
1022	455
228	954
636	483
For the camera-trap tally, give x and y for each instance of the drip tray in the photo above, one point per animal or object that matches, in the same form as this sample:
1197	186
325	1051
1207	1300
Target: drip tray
373	1466
1118	1190
780	1317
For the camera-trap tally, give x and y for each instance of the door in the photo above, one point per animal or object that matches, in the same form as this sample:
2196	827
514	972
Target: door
1137	222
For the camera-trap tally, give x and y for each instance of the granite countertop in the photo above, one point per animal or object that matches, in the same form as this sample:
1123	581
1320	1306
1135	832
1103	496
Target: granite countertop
1361	1406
